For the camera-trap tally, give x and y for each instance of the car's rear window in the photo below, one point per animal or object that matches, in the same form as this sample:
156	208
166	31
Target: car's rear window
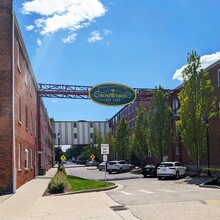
166	165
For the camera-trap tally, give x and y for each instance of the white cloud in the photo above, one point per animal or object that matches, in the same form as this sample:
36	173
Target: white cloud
70	39
94	36
206	61
29	28
70	15
39	42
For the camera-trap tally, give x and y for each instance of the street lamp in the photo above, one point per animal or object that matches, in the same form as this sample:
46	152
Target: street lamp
58	138
207	139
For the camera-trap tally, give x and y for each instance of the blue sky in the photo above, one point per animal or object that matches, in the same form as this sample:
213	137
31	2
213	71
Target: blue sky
139	43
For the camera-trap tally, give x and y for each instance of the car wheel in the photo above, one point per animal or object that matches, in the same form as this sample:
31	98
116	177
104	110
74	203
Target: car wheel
109	172
177	176
159	178
120	170
145	176
100	169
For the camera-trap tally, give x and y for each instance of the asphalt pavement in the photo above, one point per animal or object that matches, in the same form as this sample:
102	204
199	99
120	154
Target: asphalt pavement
29	203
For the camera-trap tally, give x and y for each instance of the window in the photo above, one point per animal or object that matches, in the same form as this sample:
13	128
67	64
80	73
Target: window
91	125
219	77
18	55
31	158
149	153
91	135
19	157
26	159
25	73
74	125
31	123
75	135
19	108
175	107
26	117
30	87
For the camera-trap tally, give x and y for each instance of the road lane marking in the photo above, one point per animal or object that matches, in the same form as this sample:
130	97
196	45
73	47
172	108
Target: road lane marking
214	201
145	191
125	193
167	191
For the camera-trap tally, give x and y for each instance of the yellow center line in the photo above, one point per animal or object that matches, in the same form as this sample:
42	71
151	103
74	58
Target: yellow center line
214	201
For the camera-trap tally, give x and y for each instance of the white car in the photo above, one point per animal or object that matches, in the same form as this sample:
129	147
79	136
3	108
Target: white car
118	166
171	169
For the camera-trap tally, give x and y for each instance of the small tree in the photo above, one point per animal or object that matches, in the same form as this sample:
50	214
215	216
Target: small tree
97	141
122	139
160	135
197	104
139	137
109	139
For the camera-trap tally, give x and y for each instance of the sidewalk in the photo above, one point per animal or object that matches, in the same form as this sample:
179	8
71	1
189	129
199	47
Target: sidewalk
27	203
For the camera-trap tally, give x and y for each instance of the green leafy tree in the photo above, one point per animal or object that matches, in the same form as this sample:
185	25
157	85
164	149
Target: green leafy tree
197	104
122	139
109	139
97	141
139	137
160	135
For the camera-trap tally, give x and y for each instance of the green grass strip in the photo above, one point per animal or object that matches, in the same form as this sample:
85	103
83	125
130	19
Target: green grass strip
78	184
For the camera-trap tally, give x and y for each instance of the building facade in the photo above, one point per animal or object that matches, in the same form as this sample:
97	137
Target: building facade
23	117
78	132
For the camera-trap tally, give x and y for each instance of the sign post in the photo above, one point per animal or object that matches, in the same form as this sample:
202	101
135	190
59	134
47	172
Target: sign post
104	152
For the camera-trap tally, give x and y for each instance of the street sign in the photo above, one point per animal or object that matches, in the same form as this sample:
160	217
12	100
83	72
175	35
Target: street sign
92	156
104	148
63	157
105	157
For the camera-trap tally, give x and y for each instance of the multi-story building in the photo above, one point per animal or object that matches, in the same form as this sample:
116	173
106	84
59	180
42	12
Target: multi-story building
25	131
78	132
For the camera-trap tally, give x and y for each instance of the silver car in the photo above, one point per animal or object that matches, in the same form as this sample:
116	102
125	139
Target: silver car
118	166
171	169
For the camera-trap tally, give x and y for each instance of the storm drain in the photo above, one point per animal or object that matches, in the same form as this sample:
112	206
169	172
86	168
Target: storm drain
118	208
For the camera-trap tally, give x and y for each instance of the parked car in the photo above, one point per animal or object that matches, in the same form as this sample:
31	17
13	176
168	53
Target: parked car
102	165
150	170
118	166
171	169
91	163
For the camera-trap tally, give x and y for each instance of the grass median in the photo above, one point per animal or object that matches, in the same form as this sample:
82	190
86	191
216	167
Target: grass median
61	183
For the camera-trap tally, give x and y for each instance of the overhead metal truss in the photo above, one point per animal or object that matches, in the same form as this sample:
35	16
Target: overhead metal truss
82	92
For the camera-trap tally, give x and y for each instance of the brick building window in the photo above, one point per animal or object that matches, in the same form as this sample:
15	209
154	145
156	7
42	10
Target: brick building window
18	55
26	159
25	73
31	123
75	135
19	157
26	117
218	78
19	108
175	107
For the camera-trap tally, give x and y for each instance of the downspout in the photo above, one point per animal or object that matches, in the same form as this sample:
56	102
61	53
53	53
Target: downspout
13	113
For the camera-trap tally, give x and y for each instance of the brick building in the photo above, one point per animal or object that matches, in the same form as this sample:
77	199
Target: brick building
25	129
178	151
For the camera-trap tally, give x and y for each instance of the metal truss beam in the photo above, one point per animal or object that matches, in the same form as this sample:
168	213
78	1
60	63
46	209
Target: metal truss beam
82	92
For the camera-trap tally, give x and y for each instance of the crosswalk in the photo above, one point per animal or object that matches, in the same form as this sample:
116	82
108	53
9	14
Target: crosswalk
152	191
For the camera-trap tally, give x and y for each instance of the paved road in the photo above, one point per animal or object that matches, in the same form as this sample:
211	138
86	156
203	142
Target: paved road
149	198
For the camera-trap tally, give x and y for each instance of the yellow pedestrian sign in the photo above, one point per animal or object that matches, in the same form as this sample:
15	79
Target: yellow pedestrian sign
63	157
92	156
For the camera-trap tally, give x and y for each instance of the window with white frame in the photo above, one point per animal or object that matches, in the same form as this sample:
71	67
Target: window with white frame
30	87
149	153
26	159
175	107
31	123
218	77
18	55
19	157
19	108
25	73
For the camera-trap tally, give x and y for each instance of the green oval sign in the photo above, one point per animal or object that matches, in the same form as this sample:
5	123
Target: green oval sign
112	94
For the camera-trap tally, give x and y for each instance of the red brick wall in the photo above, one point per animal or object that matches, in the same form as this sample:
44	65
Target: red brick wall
6	96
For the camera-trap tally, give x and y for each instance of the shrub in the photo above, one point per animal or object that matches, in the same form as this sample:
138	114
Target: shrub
59	183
